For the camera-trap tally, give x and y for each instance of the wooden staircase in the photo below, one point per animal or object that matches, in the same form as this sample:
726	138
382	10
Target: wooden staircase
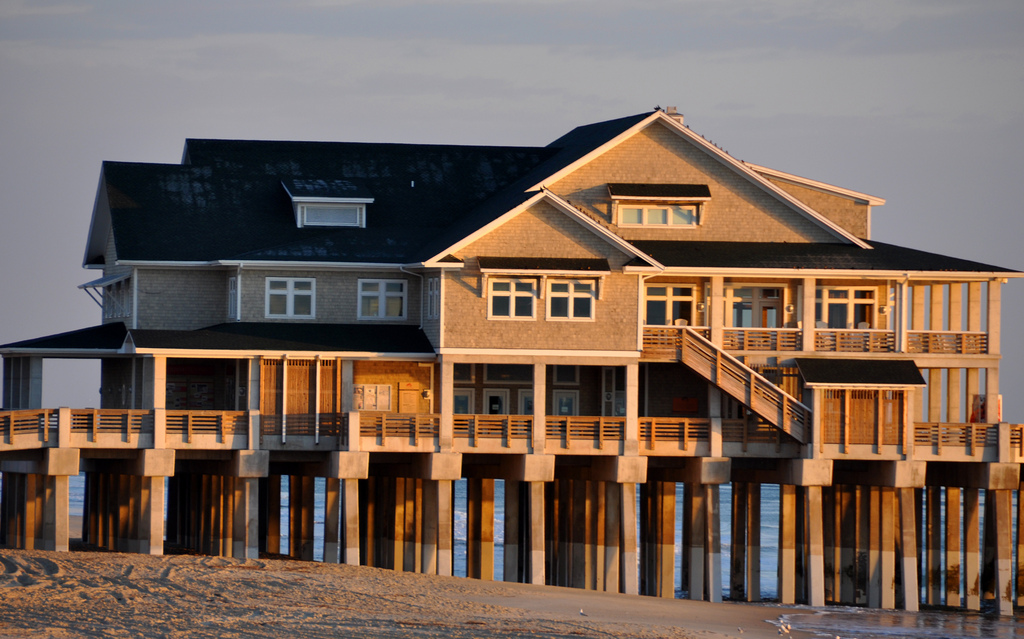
773	404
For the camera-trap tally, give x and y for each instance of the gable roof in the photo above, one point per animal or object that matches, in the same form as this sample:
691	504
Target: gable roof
724	158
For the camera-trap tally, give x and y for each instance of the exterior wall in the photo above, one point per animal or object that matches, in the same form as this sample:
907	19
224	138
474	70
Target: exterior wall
336	295
852	216
182	299
111	268
587	387
116	384
546	233
739	210
666	388
409	377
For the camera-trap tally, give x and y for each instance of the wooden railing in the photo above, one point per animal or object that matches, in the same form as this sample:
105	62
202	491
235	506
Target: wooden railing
665	342
752	430
854	340
221	423
947	342
412	427
17	425
95	422
684	430
502	427
596	430
743	383
762	339
964	438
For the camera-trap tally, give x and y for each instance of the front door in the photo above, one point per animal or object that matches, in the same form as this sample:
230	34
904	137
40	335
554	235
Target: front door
496	401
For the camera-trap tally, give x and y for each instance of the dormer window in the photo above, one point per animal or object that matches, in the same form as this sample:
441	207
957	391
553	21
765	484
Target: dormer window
659	205
331	203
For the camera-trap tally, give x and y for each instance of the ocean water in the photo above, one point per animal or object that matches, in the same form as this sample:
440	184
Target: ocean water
833	621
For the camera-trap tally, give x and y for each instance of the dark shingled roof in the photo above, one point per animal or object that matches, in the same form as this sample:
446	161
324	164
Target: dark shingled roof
244	336
596	265
860	372
681	191
314	188
106	337
775	255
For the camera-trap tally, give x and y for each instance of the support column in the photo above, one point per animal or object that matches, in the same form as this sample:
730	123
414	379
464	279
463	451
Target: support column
444	527
952	572
787	544
151	523
753	515
627	536
933	541
713	547
536	560
1004	548
738	556
874	576
350	516
245	531
908	545
816	560
972	549
480	529
697	527
511	552
888	538
612	527
332	520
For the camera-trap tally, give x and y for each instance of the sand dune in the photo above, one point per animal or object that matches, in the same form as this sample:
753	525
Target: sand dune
101	594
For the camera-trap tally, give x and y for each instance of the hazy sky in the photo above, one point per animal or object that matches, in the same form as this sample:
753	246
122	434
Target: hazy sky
918	102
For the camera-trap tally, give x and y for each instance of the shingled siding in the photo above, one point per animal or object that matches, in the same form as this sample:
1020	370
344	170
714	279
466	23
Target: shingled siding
739	210
336	294
182	299
541	232
843	211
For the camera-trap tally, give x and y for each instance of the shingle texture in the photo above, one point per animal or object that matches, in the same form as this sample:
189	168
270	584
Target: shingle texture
861	372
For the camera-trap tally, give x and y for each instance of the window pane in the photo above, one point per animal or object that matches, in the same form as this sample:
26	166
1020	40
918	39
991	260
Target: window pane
657	216
278	304
742	314
684	215
681	310
371	307
559	287
559	307
864	295
278	285
501	286
303	305
394	287
656	290
393	307
837	315
500	306
524	307
524	287
303	286
632	216
580	287
656	312
460	404
838	295
581	307
682	292
369	287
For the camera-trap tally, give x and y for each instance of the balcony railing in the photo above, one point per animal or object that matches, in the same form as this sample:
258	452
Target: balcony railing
665	342
504	428
413	428
762	339
585	430
947	342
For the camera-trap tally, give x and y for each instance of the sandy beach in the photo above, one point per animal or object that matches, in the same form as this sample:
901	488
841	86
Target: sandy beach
105	594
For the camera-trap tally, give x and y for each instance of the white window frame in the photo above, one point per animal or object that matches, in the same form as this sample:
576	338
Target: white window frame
290	295
358	208
670	298
646	217
383	295
572	295
233	297
525	401
512	294
823	299
433	298
470	395
558	395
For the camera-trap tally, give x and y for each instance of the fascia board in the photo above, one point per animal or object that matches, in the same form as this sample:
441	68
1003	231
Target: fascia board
99	225
862	385
62	353
293	265
610	144
753	176
952	276
291	354
601	231
857	196
485	229
531	271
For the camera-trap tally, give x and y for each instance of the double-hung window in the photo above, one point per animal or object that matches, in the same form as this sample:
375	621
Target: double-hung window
382	299
676	215
291	297
512	298
571	299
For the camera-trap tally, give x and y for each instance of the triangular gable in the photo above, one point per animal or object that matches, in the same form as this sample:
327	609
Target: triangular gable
738	167
438	260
